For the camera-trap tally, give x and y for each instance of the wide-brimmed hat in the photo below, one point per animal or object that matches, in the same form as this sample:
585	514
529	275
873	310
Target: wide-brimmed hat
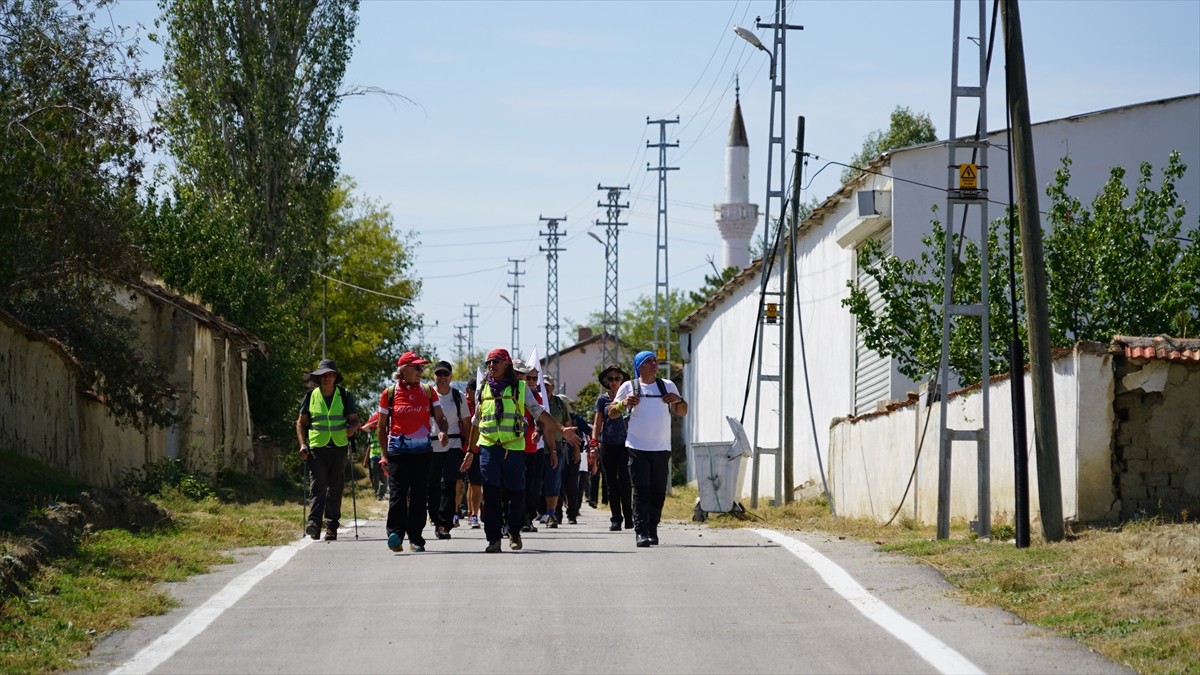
609	370
549	379
443	365
326	366
520	366
410	359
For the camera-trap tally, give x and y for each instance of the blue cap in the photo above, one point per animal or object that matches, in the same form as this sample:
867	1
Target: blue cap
640	359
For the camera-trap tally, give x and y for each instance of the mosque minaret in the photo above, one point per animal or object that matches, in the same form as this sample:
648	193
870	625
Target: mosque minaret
737	218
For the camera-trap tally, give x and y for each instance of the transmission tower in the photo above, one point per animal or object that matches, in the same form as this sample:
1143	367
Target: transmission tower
515	285
770	367
662	276
470	332
610	352
552	250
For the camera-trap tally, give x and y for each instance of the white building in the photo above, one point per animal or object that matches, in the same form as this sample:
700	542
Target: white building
844	379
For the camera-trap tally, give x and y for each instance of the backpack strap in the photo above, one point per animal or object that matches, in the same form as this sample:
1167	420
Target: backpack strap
662	389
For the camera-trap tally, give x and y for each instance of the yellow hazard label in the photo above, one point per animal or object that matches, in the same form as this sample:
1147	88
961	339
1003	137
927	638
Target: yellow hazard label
660	354
968	177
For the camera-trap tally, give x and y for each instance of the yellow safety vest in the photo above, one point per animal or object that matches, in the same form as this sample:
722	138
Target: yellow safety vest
502	425
326	424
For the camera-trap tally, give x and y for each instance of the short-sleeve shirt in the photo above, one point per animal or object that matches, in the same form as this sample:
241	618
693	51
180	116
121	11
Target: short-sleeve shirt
650	420
613	432
408	416
453	421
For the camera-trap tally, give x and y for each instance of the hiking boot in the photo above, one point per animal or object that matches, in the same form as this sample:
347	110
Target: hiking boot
592	503
529	527
313	530
416	548
572	520
395	542
653	539
441	533
514	541
492	547
474	521
615	527
551	522
643	541
330	534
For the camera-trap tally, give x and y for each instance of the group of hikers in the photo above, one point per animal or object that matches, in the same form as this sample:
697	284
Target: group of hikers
511	456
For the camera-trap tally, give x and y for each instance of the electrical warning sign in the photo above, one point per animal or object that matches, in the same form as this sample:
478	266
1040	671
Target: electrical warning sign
968	177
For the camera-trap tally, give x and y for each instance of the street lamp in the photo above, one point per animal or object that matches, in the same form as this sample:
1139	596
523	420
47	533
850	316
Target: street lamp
746	35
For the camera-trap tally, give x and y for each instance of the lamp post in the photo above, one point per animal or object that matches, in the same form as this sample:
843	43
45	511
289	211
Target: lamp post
753	39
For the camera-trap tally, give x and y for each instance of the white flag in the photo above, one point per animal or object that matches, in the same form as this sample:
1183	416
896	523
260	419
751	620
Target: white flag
536	364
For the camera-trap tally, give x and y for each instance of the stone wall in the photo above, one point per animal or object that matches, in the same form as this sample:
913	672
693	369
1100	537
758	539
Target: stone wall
1156	440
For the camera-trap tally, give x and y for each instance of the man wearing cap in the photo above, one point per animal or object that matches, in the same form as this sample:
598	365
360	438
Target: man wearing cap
650	402
372	456
614	459
405	409
499	420
444	470
327	421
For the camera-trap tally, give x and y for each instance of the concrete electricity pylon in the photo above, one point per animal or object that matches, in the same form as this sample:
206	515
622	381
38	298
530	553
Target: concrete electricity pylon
662	276
552	250
460	343
610	352
516	285
470	332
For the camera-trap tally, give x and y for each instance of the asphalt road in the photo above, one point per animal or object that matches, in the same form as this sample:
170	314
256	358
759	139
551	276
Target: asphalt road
582	599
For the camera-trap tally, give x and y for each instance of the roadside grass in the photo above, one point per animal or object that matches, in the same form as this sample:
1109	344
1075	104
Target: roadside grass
1130	592
114	576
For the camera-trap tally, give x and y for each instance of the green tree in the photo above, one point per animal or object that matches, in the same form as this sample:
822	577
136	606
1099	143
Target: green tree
69	181
905	129
368	298
252	89
637	321
1097	261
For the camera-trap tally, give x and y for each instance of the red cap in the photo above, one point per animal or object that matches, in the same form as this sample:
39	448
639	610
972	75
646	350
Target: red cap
410	359
499	354
372	422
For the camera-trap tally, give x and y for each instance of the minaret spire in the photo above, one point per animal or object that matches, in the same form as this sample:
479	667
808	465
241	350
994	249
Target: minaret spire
737	218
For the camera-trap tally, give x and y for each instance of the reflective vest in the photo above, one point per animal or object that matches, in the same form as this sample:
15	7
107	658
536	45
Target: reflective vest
501	424
326	424
373	449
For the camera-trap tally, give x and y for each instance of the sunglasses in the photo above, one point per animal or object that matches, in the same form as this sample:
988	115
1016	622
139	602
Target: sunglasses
616	378
492	362
442	373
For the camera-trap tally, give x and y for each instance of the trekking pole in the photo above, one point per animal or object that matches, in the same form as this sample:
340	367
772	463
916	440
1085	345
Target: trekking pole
304	491
353	490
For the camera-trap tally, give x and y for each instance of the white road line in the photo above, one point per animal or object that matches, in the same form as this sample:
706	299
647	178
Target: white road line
940	655
156	653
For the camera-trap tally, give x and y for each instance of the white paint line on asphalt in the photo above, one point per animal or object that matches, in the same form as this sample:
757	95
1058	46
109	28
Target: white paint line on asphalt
940	655
156	653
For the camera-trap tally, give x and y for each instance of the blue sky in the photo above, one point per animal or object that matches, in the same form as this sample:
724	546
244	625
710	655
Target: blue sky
522	108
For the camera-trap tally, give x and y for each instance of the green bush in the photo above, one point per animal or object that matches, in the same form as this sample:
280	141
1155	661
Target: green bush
167	472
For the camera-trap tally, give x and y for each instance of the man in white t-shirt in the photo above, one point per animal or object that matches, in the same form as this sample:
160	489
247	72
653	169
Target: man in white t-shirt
444	470
649	403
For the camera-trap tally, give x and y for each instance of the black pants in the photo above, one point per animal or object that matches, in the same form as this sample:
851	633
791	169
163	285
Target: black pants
573	489
535	501
443	475
648	470
378	480
326	480
408	482
614	459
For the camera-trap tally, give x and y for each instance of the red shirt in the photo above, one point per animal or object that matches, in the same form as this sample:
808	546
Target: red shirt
411	407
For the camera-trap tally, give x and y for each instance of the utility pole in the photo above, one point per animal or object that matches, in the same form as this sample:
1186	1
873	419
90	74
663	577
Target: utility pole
460	339
611	352
425	329
552	250
791	324
1045	424
515	284
470	332
662	276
